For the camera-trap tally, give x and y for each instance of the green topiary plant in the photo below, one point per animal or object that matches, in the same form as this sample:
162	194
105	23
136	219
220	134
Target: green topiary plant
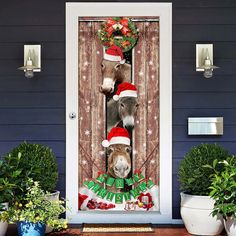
34	161
194	178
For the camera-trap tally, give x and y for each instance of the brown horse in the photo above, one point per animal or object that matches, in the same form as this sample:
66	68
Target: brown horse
122	112
113	72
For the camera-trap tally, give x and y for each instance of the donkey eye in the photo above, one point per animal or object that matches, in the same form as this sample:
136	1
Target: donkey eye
116	169
103	66
117	66
122	105
127	168
137	105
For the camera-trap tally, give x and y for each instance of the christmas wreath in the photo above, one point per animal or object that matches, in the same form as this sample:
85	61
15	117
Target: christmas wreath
118	31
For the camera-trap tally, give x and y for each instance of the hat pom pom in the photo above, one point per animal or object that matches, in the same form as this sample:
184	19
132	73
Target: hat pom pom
105	143
116	97
122	61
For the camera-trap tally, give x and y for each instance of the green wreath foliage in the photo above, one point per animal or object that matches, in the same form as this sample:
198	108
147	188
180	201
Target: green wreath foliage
123	33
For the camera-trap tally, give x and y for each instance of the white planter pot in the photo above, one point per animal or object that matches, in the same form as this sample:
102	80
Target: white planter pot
230	226
3	225
196	214
52	197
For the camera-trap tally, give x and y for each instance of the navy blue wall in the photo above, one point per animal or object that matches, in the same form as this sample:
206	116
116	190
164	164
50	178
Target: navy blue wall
34	110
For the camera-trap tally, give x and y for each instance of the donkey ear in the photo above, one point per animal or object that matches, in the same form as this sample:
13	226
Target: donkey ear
128	149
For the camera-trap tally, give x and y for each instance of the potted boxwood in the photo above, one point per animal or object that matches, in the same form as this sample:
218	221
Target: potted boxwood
33	211
34	161
38	162
194	178
223	191
8	182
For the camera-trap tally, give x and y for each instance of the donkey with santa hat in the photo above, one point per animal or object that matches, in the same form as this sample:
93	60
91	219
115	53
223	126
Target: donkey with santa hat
114	69
122	109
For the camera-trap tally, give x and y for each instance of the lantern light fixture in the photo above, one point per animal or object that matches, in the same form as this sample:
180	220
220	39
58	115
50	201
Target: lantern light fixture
32	60
204	59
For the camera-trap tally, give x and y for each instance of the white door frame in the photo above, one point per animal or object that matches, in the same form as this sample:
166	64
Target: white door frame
73	12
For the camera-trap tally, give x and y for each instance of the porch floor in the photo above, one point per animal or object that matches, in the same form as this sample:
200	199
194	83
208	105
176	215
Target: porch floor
159	230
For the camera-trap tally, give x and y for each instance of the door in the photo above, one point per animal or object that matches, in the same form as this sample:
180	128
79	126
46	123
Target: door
87	175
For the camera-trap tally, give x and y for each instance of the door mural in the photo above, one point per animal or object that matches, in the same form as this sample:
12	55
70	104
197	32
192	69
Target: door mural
118	114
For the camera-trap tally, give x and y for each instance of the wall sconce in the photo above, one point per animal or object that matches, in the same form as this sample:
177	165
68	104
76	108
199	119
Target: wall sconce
204	59
32	60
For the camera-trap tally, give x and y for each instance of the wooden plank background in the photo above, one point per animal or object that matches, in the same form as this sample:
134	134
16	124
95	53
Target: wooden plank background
92	102
146	78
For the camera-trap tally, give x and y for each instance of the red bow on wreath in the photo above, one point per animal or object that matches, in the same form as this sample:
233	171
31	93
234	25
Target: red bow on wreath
113	25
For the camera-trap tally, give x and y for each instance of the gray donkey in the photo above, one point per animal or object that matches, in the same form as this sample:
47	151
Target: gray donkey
122	112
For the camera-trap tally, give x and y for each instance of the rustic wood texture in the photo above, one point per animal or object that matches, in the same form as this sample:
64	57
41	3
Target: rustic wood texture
92	125
146	78
91	103
98	104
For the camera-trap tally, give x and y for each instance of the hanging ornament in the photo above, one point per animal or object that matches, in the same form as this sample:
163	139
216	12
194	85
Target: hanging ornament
119	31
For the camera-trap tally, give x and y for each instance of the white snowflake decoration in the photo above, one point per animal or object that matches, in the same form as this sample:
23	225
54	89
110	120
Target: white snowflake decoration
84	162
150	63
138	51
101	153
87	132
98	52
86	63
149	131
152	161
155	117
140	73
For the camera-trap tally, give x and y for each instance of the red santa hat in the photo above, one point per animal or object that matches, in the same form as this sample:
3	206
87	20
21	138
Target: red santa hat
114	53
117	135
125	90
